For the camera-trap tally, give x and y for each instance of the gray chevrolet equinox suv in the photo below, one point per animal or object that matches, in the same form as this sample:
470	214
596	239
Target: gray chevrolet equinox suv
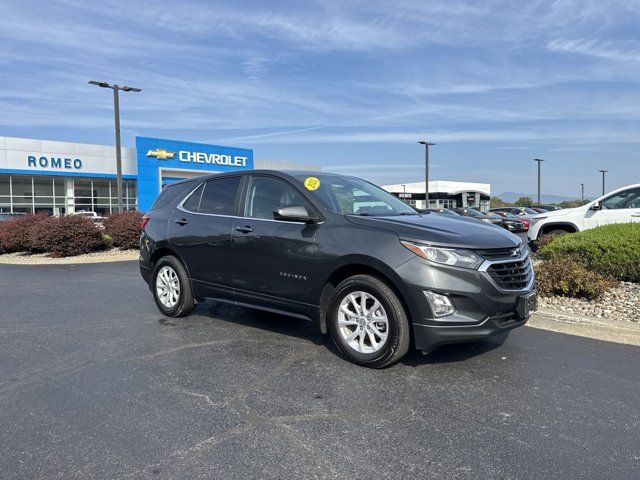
364	266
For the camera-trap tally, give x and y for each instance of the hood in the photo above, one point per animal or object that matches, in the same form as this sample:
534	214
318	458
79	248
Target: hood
563	212
446	231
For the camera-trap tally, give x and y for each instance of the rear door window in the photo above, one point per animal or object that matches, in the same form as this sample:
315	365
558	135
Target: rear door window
219	196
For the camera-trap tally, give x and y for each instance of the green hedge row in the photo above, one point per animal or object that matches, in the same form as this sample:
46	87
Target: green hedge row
611	250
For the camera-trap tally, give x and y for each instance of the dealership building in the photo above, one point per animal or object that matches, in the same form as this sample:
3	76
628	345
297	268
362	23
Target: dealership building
64	177
444	194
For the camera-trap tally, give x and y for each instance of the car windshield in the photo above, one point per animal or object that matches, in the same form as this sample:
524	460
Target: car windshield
354	196
529	211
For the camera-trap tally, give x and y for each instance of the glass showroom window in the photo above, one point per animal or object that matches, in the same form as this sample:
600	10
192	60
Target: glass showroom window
100	195
101	190
5	193
43	194
22	193
131	200
59	196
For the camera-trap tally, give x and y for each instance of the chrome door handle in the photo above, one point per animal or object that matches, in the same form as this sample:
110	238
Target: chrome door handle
245	229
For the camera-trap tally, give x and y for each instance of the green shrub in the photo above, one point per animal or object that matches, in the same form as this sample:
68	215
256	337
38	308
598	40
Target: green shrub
67	236
610	250
124	228
563	276
107	240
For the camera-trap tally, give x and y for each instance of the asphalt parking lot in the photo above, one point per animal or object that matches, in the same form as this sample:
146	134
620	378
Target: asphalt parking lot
95	383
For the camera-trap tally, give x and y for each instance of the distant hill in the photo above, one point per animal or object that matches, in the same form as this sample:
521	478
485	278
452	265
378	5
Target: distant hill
511	197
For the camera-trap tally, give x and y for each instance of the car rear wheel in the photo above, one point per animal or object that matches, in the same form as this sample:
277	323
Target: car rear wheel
368	322
171	288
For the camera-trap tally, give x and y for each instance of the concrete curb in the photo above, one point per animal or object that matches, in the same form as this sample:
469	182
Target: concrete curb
598	328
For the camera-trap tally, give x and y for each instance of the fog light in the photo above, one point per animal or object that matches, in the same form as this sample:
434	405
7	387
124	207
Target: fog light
440	304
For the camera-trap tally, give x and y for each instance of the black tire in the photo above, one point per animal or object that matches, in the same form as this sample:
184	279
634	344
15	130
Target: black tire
398	336
185	302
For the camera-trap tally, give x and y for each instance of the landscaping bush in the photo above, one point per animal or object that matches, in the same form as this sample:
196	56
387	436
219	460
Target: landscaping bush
124	229
546	239
67	236
611	250
107	240
561	275
14	234
40	222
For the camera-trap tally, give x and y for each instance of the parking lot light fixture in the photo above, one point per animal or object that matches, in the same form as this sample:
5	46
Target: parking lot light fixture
603	173
116	113
426	171
539	160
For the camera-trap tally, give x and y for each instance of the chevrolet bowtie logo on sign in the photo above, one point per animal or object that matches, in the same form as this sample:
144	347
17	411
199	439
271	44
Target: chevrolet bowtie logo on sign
160	154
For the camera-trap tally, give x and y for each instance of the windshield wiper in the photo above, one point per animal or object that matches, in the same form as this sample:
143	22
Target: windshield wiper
410	213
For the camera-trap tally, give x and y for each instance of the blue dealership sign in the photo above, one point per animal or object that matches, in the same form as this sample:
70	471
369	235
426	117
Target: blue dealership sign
162	161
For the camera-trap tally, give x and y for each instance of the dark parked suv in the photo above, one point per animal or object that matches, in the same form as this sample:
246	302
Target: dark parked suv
340	252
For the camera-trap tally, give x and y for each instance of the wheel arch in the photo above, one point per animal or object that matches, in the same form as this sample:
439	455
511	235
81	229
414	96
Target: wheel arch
162	250
349	267
548	227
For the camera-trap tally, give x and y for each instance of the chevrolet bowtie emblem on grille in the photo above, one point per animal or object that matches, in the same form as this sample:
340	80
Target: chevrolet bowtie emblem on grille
161	154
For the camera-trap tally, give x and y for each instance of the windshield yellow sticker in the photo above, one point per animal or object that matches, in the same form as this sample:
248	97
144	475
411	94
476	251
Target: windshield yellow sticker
312	183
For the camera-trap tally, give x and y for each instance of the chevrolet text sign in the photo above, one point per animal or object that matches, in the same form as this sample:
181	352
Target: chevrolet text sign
159	158
212	158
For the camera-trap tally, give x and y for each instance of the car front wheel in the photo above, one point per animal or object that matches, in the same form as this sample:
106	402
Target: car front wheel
171	288
368	322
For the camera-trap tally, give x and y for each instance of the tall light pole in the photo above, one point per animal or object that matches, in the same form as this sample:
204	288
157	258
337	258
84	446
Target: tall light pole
582	191
116	112
426	172
603	172
539	160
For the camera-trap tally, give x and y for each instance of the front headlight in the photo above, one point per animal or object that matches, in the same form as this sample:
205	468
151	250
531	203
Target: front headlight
455	257
535	220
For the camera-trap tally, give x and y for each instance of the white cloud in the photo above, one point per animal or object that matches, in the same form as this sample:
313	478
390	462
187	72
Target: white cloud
628	52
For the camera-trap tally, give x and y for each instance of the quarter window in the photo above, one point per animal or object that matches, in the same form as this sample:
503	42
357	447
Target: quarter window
219	196
625	199
193	202
268	194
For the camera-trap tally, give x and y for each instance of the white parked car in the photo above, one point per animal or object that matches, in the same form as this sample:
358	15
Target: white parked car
93	216
619	206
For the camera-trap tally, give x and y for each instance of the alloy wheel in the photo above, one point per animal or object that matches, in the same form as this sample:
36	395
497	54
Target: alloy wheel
168	287
363	322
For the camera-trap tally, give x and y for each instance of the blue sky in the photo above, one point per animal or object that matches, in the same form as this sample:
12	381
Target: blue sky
348	85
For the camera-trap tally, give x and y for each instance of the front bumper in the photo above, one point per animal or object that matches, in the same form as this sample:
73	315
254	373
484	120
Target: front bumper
429	337
482	309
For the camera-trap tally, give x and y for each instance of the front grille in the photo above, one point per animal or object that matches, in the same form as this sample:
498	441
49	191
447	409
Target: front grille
494	253
511	275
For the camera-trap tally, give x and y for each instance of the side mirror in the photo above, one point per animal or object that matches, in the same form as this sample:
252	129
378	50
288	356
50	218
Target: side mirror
596	206
294	213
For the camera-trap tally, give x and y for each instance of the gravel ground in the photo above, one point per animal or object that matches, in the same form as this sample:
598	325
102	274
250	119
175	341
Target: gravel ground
113	255
621	303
